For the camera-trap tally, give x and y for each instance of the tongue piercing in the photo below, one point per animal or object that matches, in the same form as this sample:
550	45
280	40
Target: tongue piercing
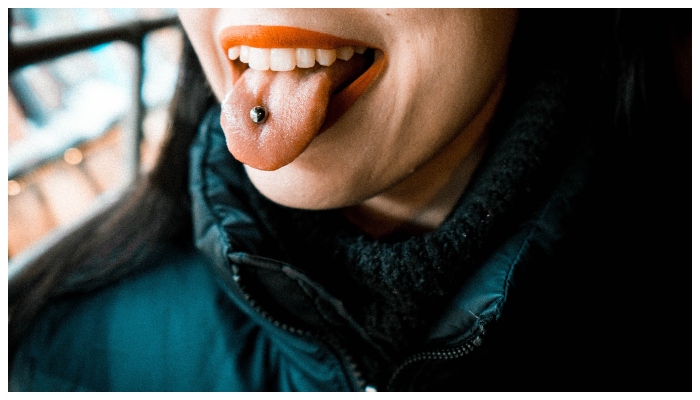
258	114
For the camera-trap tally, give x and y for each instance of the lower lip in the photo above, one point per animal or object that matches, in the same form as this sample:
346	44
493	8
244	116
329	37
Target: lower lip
288	37
342	101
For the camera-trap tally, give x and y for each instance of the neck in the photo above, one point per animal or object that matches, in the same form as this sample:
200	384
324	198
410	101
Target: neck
422	201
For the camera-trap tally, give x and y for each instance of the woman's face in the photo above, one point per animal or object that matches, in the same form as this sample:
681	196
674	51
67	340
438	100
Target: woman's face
430	72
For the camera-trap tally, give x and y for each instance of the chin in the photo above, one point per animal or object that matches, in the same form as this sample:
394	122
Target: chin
307	190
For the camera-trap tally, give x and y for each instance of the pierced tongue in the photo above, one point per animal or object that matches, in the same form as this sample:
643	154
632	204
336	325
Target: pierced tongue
296	102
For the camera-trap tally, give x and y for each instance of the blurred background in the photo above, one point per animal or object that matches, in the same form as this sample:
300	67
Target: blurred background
81	126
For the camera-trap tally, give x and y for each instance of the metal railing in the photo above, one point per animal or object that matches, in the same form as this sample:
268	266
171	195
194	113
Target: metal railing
31	52
133	33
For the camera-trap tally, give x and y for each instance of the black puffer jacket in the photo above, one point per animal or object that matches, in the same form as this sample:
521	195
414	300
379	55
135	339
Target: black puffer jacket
543	278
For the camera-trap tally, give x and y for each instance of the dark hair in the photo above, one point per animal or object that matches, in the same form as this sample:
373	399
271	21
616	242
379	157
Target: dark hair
115	243
622	54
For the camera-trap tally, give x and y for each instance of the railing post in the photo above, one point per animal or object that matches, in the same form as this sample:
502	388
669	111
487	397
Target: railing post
26	53
133	126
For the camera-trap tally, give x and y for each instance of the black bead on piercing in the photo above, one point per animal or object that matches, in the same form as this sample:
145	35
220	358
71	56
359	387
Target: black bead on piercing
258	114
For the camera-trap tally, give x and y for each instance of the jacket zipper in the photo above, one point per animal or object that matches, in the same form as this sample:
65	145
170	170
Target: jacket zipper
358	380
446	354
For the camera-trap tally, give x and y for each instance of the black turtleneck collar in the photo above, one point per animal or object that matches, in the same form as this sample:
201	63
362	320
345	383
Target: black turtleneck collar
394	287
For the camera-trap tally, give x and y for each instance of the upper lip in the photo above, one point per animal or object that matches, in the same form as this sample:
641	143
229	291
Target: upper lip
263	36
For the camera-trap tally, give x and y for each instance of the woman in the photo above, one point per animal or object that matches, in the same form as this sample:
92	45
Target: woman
453	204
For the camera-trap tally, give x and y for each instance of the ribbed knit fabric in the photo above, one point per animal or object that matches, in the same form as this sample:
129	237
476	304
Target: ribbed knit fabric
395	287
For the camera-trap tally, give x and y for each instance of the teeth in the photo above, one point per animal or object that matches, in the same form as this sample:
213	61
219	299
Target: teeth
306	58
245	52
287	59
345	52
283	59
325	57
259	58
234	52
360	49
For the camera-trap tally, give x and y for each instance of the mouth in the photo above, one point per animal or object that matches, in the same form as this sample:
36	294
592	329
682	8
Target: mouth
306	80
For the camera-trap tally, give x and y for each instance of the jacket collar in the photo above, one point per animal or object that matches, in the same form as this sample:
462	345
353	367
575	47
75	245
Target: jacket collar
232	232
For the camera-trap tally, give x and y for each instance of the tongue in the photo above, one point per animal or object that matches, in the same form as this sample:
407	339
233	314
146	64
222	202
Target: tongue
296	102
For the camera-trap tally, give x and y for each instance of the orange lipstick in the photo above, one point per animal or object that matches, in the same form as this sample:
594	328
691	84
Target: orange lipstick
262	36
281	37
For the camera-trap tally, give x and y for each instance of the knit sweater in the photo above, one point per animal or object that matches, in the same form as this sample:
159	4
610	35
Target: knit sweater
395	286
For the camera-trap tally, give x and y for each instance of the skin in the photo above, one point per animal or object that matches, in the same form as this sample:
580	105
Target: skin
403	153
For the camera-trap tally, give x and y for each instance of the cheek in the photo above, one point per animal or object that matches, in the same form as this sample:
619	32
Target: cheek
435	91
199	25
440	77
445	72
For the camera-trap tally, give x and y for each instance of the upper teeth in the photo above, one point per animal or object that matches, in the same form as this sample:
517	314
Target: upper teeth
287	59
